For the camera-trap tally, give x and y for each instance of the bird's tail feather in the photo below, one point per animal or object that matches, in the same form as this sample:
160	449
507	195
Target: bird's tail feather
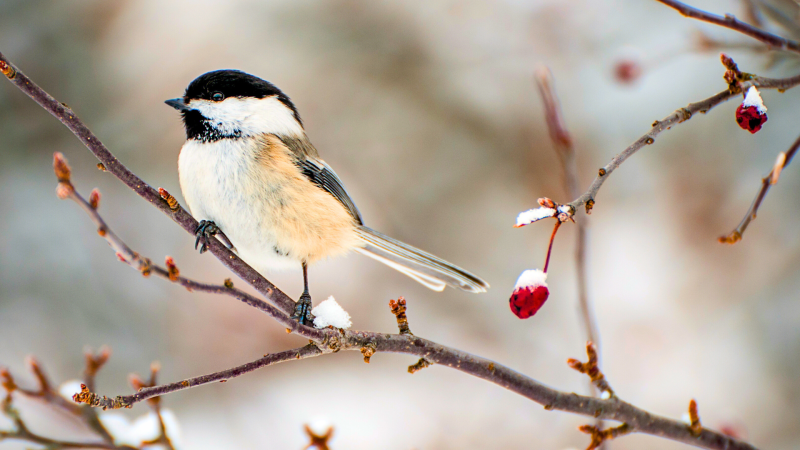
432	272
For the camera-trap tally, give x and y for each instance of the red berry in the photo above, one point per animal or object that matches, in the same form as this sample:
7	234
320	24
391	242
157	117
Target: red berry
525	301
749	118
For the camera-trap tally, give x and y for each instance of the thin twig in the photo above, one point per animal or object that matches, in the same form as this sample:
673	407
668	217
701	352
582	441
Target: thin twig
20	430
766	182
126	401
728	21
679	116
564	145
147	267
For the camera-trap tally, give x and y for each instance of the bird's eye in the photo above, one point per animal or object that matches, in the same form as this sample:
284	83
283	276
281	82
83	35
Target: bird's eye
217	96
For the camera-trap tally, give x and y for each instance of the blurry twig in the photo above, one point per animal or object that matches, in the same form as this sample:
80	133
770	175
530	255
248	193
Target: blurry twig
784	158
318	441
728	21
49	396
565	149
562	141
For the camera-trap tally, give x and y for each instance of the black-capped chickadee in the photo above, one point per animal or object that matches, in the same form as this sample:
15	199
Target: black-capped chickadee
248	169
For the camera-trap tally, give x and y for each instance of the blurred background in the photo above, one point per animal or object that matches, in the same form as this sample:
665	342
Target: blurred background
429	113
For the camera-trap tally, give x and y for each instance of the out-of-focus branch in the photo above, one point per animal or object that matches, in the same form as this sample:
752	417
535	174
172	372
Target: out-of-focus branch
562	141
784	158
728	21
111	164
46	394
681	115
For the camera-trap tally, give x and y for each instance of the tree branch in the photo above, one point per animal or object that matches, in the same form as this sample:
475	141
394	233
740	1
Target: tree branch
681	115
66	190
126	401
637	419
783	160
731	22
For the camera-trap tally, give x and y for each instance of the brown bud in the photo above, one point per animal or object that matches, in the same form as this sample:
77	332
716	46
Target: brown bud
94	198
546	202
102	167
174	273
61	167
7	70
64	190
171	201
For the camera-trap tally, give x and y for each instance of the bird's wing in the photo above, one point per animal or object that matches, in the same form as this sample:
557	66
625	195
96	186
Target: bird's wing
323	176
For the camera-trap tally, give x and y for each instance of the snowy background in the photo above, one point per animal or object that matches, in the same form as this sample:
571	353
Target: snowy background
428	112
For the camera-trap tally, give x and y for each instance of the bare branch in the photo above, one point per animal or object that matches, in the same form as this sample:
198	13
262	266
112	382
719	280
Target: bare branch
728	21
126	401
784	158
144	265
681	115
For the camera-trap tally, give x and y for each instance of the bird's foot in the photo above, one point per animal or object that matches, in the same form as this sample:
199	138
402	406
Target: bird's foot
205	231
302	310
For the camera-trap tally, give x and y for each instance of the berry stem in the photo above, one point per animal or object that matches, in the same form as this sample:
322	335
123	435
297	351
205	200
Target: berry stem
550	247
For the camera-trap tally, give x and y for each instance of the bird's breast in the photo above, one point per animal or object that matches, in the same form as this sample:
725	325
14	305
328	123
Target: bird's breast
255	193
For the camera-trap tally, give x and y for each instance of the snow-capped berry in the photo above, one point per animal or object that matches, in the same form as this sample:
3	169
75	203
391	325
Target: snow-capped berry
751	114
529	294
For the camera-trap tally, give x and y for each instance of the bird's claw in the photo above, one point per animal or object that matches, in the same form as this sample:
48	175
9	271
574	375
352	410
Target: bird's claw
205	231
302	310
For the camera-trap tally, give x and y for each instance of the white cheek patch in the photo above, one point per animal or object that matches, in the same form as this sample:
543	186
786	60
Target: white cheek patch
249	116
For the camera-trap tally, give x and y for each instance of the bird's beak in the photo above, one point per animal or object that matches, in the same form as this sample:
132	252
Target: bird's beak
178	104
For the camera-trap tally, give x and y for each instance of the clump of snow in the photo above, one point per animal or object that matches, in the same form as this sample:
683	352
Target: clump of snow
605	395
535	214
144	428
566	209
753	98
329	313
686	418
529	278
69	388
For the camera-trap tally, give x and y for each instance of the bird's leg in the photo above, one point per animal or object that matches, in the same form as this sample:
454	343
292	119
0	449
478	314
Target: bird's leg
302	309
206	230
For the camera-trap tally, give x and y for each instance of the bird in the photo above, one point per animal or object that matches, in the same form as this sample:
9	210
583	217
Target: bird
252	178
